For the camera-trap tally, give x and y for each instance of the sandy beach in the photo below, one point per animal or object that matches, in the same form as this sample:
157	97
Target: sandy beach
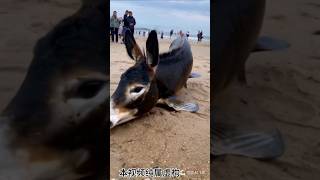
163	138
23	23
283	92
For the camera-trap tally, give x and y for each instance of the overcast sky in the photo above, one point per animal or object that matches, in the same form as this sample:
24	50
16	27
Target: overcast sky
191	15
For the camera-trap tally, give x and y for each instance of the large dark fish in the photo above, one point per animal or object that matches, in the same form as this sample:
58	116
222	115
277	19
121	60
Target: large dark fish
155	78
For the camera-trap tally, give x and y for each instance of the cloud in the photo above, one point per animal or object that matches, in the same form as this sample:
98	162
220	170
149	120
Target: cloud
190	16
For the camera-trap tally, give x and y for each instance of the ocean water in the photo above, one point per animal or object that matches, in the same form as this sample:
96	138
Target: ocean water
191	38
166	35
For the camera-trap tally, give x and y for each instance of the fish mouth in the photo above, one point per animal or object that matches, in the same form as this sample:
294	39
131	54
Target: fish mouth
118	116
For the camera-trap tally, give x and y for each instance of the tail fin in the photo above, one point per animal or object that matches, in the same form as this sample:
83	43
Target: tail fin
227	139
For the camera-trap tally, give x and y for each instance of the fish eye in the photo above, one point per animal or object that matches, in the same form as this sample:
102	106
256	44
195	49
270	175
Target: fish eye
137	89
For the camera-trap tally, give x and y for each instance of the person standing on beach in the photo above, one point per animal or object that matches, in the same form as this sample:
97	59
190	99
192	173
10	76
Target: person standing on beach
125	24
181	33
188	34
161	35
171	33
114	24
120	28
131	22
199	35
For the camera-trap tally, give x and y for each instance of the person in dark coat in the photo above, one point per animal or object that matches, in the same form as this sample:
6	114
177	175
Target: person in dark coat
201	36
131	22
125	24
171	33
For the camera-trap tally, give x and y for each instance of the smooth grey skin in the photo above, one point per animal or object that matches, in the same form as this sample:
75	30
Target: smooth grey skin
172	100
238	23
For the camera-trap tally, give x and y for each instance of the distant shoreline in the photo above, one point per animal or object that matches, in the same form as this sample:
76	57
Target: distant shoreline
191	38
167	34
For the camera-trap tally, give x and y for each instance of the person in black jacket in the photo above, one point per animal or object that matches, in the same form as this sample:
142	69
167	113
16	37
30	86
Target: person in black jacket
125	24
171	33
131	21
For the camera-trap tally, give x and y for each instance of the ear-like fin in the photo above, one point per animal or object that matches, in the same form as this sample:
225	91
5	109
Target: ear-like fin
132	47
152	47
266	43
259	145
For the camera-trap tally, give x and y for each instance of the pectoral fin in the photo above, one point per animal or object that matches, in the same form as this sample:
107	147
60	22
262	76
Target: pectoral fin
179	105
259	145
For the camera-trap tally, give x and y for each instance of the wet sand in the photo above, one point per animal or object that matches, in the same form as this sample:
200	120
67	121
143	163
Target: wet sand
163	138
283	92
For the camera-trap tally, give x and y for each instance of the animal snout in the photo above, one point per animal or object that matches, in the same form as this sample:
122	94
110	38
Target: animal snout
113	116
120	116
113	121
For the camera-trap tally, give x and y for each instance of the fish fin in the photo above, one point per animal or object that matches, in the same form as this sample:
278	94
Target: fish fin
259	145
179	105
266	43
194	75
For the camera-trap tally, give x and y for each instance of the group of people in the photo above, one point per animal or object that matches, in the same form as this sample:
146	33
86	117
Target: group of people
118	26
180	33
126	23
199	35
